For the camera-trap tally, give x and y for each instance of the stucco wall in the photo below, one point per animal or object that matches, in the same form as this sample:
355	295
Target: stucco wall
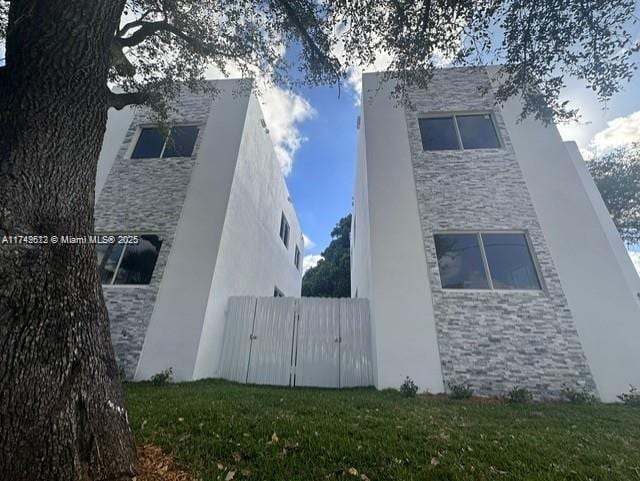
493	340
141	196
596	273
252	258
389	260
175	328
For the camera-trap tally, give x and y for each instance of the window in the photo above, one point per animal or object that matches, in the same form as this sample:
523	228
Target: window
277	292
486	261
284	230
296	258
455	132
128	263
153	143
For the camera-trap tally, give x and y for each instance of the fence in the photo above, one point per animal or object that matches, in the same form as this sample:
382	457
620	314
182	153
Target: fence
298	342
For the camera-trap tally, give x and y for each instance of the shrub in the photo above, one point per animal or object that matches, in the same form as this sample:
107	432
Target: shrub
519	395
460	391
631	398
408	388
163	377
578	396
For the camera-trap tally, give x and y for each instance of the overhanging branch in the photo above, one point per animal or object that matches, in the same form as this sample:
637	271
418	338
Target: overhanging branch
120	101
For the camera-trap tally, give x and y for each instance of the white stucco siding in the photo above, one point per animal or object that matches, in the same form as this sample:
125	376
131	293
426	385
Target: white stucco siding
176	324
252	259
399	293
585	251
118	122
360	227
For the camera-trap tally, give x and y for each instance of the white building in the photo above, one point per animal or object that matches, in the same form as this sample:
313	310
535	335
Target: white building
215	219
485	250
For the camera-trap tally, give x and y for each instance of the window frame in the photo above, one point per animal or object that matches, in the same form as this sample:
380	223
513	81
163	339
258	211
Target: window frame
286	232
485	263
141	127
115	272
454	115
296	257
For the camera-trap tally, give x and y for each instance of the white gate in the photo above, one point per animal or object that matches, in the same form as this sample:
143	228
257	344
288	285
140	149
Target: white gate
298	342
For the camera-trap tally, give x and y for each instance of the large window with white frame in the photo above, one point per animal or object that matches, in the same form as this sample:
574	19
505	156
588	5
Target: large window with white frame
458	131
132	263
153	142
486	260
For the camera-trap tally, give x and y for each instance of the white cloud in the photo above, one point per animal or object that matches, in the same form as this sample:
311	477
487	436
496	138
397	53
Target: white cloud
309	261
635	258
619	131
308	243
284	111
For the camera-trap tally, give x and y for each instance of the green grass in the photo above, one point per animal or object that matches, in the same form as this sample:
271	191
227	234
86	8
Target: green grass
323	433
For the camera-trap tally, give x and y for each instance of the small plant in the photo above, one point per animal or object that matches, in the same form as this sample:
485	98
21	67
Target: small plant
163	377
631	398
519	395
408	388
578	396
460	391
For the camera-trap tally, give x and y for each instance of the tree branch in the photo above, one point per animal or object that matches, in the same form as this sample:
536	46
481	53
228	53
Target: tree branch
120	101
306	38
148	29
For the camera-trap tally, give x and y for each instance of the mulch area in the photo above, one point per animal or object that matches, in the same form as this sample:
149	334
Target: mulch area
156	465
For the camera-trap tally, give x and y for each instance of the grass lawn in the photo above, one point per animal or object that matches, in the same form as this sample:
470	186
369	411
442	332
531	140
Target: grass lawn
214	427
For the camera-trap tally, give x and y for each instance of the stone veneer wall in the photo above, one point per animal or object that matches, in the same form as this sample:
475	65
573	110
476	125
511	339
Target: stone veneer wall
145	196
493	340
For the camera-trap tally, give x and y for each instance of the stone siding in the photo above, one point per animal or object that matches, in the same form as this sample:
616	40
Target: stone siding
493	340
145	196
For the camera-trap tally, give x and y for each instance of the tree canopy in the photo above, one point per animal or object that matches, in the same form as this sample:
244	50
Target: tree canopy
161	42
617	175
331	277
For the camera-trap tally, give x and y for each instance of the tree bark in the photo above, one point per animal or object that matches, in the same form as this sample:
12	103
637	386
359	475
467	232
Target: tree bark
62	415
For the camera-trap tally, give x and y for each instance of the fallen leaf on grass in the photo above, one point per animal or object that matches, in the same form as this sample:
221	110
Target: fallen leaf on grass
230	475
434	461
364	477
352	471
274	438
220	466
237	457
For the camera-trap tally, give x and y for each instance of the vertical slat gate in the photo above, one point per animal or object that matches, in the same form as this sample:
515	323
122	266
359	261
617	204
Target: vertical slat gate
241	313
303	342
270	361
318	346
355	346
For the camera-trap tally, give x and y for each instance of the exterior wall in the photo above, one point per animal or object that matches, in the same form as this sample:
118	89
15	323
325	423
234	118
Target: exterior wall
493	340
597	275
389	260
252	258
143	196
175	328
118	124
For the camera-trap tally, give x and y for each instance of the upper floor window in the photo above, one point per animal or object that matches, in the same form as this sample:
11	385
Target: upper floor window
133	263
154	143
455	132
284	230
296	258
486	261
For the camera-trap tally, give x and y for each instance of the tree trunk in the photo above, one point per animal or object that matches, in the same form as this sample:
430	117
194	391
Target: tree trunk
62	415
